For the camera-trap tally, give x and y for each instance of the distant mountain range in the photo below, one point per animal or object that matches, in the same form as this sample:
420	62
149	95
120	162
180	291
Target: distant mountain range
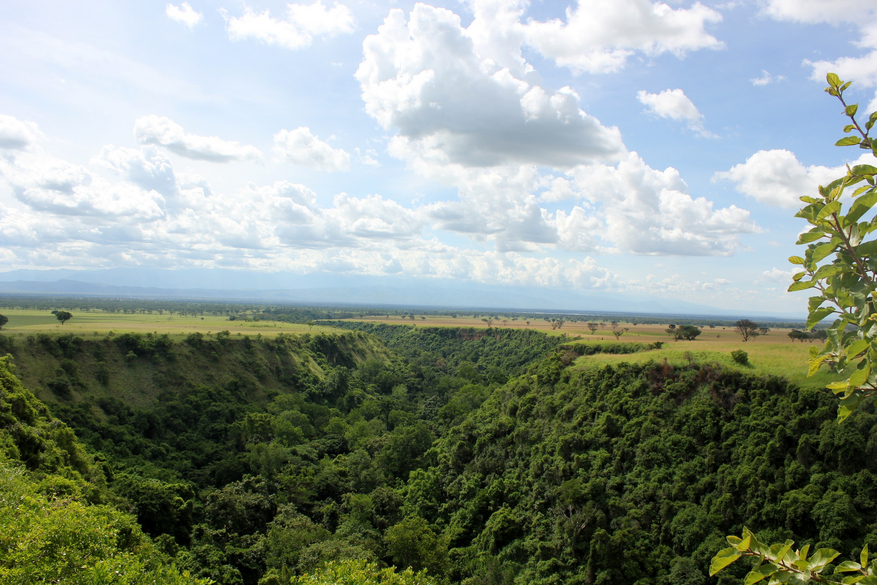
332	289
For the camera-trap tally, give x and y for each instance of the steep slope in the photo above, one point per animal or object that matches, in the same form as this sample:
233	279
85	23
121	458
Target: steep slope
633	474
53	526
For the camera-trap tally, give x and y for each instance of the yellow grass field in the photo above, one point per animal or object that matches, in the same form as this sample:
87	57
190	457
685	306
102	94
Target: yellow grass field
29	322
774	353
771	354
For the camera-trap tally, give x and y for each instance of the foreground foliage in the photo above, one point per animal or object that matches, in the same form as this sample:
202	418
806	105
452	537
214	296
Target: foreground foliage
51	528
848	283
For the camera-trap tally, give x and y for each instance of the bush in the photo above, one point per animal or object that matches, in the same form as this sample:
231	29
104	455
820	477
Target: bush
739	356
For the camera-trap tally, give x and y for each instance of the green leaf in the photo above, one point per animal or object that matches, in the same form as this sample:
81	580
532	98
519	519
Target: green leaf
861	206
847	566
833	80
823	556
847	406
796	260
743	545
848	141
817	315
810	236
802	554
802	285
851	109
722	559
849	127
787	546
815	363
852	579
857	347
863	558
759	573
734	540
829	209
827	271
798	276
824	250
837	387
859	377
866	249
864	170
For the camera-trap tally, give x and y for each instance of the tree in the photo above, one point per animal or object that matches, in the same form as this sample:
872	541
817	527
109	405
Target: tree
3	320
592	327
619	332
748	329
847	284
63	316
688	332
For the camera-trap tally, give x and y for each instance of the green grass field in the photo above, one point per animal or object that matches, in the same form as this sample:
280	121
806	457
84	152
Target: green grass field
772	354
780	358
28	322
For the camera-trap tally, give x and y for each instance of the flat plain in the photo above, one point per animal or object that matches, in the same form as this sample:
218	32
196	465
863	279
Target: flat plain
771	354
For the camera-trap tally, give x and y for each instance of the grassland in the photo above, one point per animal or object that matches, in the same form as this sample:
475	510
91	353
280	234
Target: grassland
771	354
30	322
774	353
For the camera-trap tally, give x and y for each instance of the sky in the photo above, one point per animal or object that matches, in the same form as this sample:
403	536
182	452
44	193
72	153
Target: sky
624	147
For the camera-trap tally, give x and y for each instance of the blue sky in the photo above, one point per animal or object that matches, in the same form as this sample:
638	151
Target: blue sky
610	146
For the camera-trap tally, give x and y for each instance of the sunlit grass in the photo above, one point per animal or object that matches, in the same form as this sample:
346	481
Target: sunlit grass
29	322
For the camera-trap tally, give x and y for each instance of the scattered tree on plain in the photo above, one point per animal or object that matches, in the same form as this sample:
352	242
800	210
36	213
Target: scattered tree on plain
3	320
748	329
63	316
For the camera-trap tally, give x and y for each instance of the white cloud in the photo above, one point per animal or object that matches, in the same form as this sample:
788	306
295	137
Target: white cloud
165	132
48	184
451	104
647	211
16	134
860	13
302	24
675	105
778	274
302	148
776	177
599	36
765	79
184	14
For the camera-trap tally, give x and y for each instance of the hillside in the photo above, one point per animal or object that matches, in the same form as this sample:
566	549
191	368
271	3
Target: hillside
508	457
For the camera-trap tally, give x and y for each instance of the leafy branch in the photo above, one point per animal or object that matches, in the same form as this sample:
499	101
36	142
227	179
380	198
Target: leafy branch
780	563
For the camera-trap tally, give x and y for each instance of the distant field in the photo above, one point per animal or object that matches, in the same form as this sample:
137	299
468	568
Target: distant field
773	353
28	322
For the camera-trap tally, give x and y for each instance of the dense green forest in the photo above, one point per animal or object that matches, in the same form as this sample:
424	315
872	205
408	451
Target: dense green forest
480	456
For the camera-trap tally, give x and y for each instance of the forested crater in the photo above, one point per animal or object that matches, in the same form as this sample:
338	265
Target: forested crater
497	457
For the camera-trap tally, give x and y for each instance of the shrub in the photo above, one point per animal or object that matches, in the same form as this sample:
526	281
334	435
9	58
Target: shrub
739	356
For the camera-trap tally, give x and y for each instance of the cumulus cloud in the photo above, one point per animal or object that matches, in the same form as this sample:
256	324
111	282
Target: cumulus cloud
302	148
860	13
45	183
599	36
765	79
776	177
303	22
420	77
648	211
165	132
184	14
16	134
675	105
